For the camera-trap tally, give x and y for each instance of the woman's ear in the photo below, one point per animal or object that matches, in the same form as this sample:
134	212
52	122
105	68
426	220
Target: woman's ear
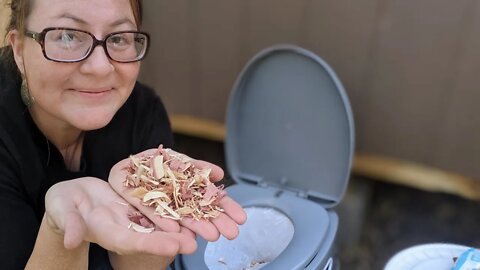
16	41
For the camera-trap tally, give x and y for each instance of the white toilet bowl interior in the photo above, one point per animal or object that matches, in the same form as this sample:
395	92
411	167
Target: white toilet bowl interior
262	238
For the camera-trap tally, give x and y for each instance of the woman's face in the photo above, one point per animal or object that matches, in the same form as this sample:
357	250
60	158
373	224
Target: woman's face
84	95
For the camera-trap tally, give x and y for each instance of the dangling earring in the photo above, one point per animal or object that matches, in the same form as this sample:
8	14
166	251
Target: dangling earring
27	99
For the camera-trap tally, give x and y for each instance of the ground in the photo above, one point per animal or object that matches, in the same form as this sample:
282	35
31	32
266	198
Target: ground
401	217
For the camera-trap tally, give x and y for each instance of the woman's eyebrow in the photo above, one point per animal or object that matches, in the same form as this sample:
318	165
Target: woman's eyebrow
84	22
122	21
71	17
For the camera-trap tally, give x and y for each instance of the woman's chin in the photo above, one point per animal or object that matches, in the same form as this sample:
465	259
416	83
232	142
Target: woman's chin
92	122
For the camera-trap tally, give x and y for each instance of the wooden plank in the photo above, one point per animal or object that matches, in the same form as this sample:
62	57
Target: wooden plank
411	77
217	31
412	92
381	168
198	127
458	147
274	21
341	32
167	67
415	175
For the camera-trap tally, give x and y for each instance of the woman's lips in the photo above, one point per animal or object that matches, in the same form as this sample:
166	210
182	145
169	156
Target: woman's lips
93	92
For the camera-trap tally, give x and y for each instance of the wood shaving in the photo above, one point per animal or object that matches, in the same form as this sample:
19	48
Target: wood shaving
140	228
139	222
254	264
169	182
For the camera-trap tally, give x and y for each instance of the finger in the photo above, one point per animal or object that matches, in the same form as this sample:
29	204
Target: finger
226	226
126	241
233	210
158	242
62	213
203	228
75	230
166	224
187	232
216	173
112	231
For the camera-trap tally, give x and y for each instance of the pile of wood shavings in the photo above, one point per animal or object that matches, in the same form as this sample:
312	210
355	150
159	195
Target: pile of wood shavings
169	181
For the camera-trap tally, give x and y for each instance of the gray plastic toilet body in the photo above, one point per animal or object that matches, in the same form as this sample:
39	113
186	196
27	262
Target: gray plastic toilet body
289	127
319	262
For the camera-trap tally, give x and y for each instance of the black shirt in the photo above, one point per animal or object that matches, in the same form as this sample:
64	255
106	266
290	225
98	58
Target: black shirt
30	164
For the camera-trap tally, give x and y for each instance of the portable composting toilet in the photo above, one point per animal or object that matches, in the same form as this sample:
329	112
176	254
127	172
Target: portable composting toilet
289	148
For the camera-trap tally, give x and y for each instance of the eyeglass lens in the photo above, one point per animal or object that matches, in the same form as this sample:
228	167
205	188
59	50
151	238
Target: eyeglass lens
72	45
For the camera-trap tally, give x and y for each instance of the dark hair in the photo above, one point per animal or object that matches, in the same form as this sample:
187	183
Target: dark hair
20	9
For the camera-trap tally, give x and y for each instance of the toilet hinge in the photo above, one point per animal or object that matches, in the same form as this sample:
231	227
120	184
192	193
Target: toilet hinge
262	184
302	194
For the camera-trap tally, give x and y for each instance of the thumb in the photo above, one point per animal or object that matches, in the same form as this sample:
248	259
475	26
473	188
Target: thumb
63	214
75	230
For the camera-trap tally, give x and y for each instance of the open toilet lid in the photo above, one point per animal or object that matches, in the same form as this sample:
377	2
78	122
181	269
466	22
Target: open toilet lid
289	124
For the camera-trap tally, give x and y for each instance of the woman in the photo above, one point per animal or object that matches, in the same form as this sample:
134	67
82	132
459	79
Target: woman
70	109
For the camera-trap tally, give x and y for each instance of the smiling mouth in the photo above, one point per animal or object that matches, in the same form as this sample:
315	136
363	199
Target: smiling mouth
93	91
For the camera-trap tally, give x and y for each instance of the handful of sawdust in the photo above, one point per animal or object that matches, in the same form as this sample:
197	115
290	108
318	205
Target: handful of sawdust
169	182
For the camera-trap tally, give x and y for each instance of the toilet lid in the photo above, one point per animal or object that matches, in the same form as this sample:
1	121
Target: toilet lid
289	124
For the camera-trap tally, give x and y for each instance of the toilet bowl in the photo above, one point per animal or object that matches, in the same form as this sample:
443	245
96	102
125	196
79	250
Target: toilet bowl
289	147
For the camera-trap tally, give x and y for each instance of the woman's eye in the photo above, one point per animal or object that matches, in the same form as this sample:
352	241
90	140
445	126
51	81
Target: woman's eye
68	37
119	40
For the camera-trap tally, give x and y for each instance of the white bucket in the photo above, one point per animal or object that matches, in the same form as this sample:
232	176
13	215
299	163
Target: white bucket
438	256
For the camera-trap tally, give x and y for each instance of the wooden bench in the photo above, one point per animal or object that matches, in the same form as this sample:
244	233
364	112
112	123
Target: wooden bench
368	165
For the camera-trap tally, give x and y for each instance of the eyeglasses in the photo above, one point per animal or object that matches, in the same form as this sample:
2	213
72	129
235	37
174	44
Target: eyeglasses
71	45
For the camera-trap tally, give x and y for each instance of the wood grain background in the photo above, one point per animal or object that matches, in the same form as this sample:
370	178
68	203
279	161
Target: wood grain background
410	67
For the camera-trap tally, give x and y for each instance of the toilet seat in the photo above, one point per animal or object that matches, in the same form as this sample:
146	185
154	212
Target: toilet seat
289	146
310	220
304	245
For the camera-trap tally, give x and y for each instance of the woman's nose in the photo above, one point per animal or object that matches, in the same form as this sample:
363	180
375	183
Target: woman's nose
97	63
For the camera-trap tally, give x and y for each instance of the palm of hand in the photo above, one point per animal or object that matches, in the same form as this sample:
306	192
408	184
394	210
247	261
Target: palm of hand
225	224
87	209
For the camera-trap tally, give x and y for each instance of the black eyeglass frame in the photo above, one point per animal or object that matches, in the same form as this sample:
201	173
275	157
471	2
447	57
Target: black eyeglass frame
40	38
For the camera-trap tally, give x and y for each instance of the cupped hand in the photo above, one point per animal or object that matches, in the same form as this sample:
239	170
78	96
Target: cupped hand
88	209
225	224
